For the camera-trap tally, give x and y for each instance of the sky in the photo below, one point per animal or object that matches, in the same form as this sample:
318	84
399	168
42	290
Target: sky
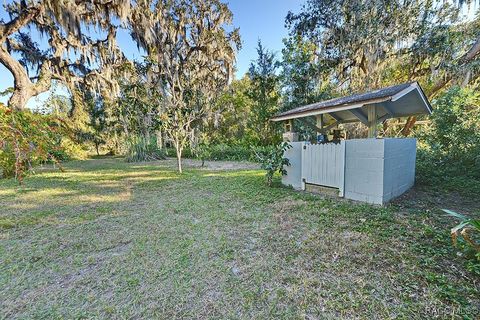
257	19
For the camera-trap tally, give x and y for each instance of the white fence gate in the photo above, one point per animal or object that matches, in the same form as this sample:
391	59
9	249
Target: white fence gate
324	165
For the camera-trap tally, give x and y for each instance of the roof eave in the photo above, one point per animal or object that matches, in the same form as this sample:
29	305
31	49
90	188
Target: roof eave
343	107
395	97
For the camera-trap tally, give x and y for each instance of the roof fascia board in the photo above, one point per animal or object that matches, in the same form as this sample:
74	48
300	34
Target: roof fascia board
424	97
404	92
414	86
328	110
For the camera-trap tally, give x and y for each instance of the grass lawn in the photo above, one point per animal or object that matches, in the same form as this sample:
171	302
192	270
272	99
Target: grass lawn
108	239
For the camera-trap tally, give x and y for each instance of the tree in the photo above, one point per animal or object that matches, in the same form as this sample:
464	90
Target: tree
138	105
365	45
446	56
70	55
229	122
455	131
302	79
265	94
97	123
193	52
300	73
355	39
27	139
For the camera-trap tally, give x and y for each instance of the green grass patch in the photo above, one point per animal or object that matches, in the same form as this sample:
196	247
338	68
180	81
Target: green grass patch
110	239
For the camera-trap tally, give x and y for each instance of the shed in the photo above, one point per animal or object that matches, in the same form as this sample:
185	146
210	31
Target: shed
371	170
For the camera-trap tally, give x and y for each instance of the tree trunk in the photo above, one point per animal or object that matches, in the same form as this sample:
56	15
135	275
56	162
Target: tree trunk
96	147
179	156
159	139
409	125
24	89
19	98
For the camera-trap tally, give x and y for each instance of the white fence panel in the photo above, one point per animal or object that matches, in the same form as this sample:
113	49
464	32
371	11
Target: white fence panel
324	165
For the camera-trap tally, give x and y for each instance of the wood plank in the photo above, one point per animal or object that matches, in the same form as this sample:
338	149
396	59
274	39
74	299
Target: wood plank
372	121
359	115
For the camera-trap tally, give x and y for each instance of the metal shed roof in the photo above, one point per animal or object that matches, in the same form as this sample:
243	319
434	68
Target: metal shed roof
401	100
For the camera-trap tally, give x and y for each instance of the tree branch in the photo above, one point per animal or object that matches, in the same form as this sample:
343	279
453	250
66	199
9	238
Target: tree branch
21	20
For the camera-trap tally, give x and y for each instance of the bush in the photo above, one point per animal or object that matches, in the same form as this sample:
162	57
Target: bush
187	153
442	175
27	139
454	136
221	152
141	149
272	160
448	157
231	152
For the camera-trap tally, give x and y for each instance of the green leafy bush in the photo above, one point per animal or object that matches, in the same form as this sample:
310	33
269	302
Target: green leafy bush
222	152
448	157
187	153
204	152
231	152
27	139
141	149
442	175
272	160
454	136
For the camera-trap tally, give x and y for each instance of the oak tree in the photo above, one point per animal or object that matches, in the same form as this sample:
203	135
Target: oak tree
72	54
193	46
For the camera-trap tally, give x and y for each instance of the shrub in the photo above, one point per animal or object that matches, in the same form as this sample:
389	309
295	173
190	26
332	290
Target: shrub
272	160
204	152
141	149
454	136
27	139
231	152
221	152
187	153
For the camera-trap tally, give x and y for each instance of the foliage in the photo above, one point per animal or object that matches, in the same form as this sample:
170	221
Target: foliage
72	55
137	110
466	225
301	80
98	123
265	96
204	152
27	139
231	120
273	160
454	135
141	149
469	230
443	176
193	49
300	74
368	44
225	152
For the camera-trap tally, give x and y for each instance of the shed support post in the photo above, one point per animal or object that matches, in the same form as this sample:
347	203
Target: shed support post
289	135
319	123
372	121
288	126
